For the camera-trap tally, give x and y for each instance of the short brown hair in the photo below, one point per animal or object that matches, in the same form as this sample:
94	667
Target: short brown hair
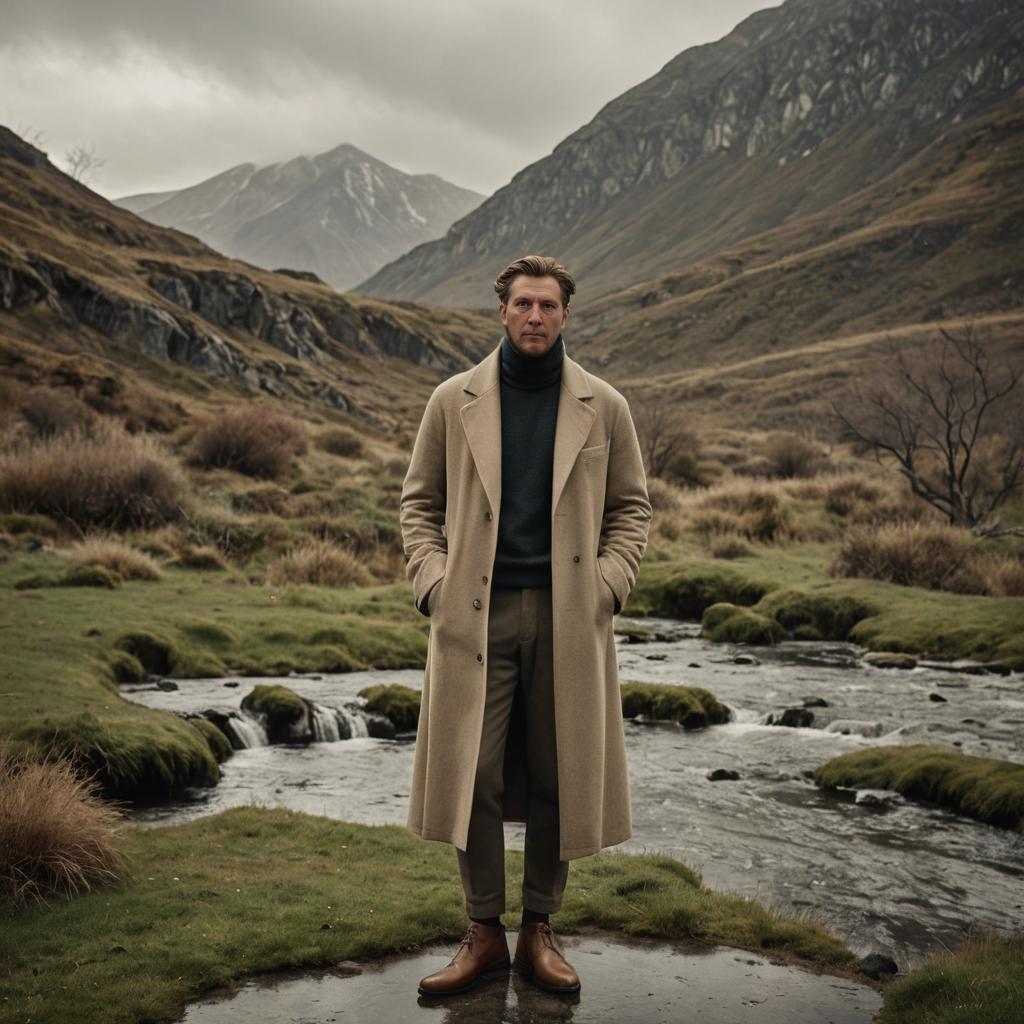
536	266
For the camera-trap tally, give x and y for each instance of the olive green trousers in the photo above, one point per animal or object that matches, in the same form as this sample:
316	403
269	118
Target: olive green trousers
519	654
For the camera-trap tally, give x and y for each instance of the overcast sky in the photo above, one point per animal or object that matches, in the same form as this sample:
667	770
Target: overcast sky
169	93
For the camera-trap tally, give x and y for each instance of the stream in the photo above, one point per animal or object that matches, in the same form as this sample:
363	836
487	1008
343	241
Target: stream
906	881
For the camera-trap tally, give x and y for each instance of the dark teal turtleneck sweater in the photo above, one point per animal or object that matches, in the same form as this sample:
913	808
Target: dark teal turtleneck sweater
530	388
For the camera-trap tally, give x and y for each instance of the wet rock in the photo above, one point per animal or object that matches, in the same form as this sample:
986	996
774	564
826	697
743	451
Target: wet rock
693	664
890	659
232	684
746	659
878	966
815	702
972	721
855	727
379	726
878	799
166	684
656	657
793	718
937	698
722	775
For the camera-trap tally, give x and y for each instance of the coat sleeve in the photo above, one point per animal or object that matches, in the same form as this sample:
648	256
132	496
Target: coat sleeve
627	510
423	504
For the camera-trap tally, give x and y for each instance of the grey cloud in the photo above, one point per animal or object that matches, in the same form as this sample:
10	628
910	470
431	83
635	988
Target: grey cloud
469	90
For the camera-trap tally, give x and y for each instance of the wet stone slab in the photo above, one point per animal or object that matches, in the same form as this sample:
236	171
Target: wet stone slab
638	981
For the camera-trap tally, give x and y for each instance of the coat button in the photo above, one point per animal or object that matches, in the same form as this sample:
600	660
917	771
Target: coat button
575	558
479	657
490	515
476	603
485	579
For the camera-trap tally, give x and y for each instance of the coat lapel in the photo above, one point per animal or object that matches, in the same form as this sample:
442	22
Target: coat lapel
481	421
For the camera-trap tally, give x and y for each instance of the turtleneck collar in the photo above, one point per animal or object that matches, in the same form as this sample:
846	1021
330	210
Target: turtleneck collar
531	371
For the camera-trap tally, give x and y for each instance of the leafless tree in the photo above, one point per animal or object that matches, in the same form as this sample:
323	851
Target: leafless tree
669	443
81	161
33	136
953	425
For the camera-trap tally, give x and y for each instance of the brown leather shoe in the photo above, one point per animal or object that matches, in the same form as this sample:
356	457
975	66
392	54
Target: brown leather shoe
482	953
539	957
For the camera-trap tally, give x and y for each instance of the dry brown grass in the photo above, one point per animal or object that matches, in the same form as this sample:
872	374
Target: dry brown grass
757	512
319	561
113	553
339	441
936	556
200	556
101	477
254	439
57	837
790	456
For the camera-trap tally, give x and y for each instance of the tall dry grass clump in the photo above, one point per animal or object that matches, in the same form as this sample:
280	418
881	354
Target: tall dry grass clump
935	556
114	554
96	477
319	561
255	440
57	837
758	513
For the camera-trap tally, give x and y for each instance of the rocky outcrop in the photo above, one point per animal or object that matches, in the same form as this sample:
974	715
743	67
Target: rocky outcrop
881	75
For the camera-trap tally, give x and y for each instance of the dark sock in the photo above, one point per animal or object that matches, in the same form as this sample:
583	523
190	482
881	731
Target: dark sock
492	921
530	916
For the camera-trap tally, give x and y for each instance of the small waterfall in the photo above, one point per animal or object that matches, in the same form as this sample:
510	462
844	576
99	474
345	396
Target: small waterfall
331	724
326	727
356	722
245	731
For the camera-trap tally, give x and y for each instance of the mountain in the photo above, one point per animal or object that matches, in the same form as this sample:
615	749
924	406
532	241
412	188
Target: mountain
88	289
796	109
341	214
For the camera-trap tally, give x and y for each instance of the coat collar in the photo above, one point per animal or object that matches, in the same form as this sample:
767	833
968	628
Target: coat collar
481	420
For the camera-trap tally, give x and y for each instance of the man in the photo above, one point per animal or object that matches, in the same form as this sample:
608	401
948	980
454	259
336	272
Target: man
524	517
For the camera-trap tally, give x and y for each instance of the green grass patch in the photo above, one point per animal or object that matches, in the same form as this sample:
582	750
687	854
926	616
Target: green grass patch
252	890
692	707
791	585
280	707
980	787
983	983
65	650
727	623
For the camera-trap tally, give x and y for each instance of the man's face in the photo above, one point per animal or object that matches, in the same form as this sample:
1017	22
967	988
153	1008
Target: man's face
534	315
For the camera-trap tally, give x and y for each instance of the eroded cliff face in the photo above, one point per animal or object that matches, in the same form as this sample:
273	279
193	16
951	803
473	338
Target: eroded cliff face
771	92
69	257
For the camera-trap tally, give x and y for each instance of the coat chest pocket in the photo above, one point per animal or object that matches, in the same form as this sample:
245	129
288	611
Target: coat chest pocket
595	453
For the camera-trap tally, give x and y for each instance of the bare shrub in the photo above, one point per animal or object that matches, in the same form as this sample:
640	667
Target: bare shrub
757	513
935	556
47	413
845	494
114	554
790	456
663	496
57	836
103	477
339	441
319	561
255	440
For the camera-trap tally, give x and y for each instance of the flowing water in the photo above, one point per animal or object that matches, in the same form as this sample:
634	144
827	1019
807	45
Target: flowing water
906	881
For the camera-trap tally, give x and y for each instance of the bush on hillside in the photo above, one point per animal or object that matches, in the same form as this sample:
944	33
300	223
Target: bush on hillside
319	561
255	440
339	441
935	556
103	478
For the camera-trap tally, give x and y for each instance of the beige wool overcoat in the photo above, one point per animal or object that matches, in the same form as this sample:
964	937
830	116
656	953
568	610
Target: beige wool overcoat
450	503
